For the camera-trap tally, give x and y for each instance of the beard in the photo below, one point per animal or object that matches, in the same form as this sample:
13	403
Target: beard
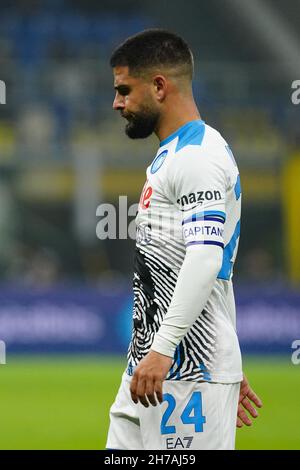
141	124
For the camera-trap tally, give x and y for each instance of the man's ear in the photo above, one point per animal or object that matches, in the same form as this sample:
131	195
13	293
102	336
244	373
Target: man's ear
160	86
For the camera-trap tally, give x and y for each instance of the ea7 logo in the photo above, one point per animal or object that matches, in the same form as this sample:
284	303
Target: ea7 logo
177	443
2	92
199	197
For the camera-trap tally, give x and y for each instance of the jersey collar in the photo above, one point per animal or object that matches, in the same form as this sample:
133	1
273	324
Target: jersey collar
191	133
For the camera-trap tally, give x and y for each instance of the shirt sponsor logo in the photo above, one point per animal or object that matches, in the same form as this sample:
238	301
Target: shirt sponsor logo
179	443
199	197
145	196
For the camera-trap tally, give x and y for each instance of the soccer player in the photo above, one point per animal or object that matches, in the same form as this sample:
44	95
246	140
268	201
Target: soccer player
183	387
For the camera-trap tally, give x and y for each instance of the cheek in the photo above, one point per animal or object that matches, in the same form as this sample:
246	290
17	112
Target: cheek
149	103
130	103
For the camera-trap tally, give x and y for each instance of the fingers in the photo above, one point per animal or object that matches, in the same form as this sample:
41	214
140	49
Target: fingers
150	393
133	386
146	391
253	397
239	423
246	404
137	390
158	390
246	400
242	415
246	391
140	391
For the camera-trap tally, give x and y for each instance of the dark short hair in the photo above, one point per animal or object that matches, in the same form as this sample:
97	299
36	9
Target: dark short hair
154	48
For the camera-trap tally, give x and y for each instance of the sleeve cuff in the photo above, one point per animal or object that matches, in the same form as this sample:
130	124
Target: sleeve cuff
163	346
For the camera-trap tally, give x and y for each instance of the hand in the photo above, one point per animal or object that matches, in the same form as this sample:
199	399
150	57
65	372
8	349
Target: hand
148	377
247	396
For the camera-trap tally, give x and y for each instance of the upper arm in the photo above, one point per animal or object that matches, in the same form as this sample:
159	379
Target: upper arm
197	187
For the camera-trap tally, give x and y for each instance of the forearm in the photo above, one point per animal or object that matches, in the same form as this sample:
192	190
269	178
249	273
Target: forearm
195	281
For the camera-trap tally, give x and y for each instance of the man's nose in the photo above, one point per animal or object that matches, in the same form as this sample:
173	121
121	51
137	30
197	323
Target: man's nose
118	103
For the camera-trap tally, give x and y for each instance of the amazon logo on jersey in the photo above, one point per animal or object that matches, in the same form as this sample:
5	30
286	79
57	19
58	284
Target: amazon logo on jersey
199	197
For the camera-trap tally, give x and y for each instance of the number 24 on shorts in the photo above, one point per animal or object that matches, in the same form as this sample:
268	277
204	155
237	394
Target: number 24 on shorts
192	413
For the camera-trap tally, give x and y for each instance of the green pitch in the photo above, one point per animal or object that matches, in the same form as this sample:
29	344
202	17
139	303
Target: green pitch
63	403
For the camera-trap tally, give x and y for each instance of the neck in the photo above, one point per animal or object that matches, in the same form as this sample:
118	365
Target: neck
184	110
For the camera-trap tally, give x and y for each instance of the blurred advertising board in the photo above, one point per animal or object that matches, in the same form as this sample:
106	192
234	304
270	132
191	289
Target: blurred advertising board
78	319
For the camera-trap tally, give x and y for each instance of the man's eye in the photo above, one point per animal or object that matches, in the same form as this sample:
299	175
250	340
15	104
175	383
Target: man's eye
124	91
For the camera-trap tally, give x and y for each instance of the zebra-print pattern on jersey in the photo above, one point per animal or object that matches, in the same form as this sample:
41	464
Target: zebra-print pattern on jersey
153	286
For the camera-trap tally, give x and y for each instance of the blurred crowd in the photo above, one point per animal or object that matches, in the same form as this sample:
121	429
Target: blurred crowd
54	61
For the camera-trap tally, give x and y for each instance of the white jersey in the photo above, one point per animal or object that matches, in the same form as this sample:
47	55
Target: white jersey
192	196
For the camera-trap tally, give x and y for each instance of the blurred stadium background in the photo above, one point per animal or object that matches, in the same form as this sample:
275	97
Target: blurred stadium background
66	295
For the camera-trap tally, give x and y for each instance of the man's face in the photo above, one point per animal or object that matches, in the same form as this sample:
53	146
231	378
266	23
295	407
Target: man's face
136	103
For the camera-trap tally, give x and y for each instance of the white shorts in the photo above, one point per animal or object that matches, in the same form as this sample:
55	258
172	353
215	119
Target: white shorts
192	416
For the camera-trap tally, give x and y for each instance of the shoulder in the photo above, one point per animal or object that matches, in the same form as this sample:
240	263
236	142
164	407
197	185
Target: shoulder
212	153
205	166
200	154
213	139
